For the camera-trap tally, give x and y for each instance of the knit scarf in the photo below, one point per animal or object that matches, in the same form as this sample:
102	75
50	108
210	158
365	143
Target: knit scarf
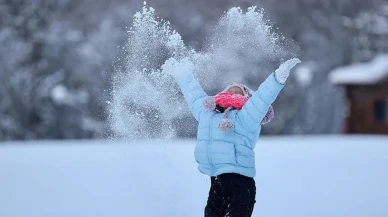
227	100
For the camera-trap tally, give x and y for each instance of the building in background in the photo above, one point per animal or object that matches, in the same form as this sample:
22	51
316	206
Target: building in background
367	95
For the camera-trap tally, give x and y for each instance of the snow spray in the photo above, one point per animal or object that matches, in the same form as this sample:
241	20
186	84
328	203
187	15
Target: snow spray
146	103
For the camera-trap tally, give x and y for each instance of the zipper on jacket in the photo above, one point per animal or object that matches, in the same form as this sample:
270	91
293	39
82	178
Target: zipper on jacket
209	155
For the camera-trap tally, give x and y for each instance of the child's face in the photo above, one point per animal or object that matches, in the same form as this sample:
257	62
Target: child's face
236	90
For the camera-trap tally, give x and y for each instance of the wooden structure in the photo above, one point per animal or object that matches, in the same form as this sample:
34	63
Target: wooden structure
367	95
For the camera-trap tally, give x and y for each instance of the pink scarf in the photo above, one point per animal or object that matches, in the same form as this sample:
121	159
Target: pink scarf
227	99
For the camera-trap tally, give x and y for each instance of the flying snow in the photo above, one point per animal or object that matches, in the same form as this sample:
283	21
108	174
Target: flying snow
146	101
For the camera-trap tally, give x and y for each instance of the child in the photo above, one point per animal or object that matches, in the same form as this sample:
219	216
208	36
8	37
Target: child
229	126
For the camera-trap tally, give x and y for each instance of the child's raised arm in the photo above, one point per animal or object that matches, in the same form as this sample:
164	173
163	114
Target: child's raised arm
191	89
257	106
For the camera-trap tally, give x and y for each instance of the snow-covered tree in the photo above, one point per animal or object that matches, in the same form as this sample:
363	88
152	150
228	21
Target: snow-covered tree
52	61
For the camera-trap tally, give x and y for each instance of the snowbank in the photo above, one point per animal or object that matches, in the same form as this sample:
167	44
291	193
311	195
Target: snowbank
297	177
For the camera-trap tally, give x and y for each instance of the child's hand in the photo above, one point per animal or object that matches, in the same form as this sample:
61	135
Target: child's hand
174	67
282	73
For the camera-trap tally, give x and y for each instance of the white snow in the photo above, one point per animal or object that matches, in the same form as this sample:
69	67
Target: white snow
304	75
59	94
362	73
240	45
62	96
142	96
333	176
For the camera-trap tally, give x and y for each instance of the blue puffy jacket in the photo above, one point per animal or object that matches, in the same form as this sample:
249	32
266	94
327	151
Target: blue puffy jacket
228	152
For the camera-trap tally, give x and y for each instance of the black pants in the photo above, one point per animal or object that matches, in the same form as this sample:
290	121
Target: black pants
231	195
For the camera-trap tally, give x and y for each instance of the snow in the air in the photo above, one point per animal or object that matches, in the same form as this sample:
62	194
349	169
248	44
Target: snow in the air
362	73
319	176
146	102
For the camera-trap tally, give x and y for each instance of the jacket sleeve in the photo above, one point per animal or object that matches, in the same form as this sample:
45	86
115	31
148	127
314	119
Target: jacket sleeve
257	106
192	92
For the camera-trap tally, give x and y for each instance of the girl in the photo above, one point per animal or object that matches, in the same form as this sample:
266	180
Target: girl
228	129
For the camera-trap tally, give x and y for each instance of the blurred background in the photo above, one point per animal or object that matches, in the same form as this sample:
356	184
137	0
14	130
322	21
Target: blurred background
57	61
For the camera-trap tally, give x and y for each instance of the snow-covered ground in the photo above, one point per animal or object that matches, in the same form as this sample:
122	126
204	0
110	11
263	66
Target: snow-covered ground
297	177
